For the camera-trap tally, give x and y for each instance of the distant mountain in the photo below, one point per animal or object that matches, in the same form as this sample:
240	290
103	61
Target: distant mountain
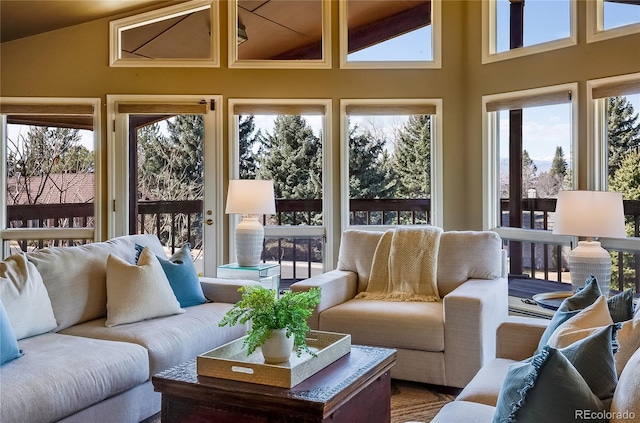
542	165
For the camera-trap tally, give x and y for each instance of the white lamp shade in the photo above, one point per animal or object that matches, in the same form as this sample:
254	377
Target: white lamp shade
250	196
590	214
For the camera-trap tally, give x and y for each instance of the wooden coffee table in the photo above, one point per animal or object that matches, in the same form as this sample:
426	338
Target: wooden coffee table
355	388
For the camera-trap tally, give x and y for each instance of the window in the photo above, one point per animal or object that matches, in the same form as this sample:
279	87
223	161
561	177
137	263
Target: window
184	35
293	34
612	18
615	107
285	141
390	161
530	149
515	28
390	34
51	172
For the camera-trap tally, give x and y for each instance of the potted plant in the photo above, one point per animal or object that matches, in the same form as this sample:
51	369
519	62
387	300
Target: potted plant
274	320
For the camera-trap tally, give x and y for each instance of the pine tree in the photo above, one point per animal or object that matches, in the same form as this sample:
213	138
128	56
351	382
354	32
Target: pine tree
412	158
370	172
623	131
529	170
626	181
292	158
248	138
559	164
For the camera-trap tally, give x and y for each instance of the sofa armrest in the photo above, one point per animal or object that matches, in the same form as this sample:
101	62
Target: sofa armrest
472	313
224	290
337	286
518	337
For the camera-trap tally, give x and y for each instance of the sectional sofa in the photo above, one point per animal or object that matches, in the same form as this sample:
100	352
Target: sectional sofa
91	333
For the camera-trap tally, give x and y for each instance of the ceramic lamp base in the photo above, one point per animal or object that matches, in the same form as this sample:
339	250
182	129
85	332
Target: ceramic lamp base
589	258
249	236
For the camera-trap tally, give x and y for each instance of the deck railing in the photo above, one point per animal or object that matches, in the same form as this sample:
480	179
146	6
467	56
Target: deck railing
176	222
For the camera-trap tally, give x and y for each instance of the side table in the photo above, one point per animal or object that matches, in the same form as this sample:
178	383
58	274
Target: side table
268	274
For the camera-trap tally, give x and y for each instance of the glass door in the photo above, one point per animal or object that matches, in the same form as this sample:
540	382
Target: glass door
170	186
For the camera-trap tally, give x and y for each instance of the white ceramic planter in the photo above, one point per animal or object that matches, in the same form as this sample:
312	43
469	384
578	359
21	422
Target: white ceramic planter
278	348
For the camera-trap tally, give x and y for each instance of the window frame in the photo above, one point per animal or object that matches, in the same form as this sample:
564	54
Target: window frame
491	165
489	24
436	44
95	233
116	26
597	152
595	24
437	210
326	230
235	63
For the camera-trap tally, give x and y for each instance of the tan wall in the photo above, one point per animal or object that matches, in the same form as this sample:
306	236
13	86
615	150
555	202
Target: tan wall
74	63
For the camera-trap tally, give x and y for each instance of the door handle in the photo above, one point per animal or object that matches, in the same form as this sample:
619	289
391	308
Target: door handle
209	222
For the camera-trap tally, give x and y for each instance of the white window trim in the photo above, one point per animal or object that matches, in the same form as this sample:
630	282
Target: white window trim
597	151
491	165
595	24
437	210
327	178
94	233
489	25
117	26
118	165
436	44
234	62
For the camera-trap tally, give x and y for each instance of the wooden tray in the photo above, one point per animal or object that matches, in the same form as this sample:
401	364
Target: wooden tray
230	361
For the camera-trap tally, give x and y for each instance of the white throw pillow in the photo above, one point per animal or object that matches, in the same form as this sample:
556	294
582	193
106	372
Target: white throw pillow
136	293
25	297
582	325
629	341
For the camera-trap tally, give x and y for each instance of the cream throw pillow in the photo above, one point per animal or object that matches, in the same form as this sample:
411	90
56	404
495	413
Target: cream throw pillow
25	298
582	325
136	293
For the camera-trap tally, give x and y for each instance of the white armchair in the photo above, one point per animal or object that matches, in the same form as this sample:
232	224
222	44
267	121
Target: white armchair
444	342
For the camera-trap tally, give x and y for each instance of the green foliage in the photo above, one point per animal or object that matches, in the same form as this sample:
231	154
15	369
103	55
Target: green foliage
266	313
559	164
292	158
412	158
370	171
626	180
247	139
623	131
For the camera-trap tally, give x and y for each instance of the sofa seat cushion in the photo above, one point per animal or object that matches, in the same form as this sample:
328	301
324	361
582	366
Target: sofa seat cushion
409	325
59	375
485	386
464	412
169	340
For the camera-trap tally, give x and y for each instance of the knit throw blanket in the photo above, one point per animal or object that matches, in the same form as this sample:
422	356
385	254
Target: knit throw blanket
404	266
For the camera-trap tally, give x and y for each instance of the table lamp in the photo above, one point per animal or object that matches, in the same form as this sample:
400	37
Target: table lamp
590	214
250	198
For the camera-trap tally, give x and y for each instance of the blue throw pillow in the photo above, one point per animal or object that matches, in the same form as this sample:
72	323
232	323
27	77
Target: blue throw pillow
571	306
8	343
182	275
546	388
621	306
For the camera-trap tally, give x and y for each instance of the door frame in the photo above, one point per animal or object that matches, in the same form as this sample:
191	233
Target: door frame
118	169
